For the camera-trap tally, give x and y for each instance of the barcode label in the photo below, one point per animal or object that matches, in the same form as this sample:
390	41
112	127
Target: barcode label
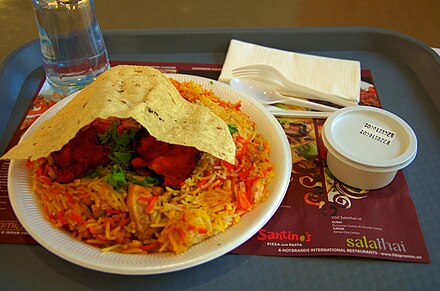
377	133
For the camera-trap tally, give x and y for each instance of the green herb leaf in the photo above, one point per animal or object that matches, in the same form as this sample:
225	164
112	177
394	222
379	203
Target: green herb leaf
232	128
120	145
121	158
106	136
117	177
92	174
119	142
148	181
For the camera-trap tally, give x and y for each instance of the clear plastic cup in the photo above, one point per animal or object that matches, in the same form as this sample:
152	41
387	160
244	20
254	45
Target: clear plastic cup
72	45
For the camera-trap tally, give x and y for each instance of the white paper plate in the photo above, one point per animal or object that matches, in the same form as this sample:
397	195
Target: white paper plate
59	242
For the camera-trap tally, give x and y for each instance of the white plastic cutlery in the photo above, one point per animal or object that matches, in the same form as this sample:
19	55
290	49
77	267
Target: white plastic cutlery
268	95
287	87
298	113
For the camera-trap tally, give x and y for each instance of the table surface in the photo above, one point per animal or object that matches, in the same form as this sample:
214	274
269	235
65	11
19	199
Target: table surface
418	19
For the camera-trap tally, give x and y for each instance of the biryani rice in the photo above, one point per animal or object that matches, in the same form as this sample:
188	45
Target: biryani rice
212	199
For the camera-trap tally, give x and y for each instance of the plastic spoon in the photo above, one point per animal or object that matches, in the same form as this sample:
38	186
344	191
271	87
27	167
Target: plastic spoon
268	95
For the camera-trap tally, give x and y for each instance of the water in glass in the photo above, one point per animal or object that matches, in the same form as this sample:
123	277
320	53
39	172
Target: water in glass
72	46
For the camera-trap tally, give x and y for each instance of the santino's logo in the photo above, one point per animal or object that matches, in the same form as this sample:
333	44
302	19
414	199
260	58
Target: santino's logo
375	244
284	236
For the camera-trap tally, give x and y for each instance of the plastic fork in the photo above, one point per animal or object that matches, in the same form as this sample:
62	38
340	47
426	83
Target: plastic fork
267	95
268	73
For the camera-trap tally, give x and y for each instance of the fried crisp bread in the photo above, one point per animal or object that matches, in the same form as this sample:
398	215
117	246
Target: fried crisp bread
139	92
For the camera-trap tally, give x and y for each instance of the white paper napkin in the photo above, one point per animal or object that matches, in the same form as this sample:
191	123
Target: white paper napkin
330	76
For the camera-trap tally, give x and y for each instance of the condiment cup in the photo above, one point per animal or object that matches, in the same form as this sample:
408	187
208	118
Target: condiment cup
366	146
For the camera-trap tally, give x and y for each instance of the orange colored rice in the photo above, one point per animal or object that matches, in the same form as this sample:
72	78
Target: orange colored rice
210	201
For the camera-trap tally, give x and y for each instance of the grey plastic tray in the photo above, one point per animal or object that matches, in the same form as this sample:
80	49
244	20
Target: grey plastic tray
407	77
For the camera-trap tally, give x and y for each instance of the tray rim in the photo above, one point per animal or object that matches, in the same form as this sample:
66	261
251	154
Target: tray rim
345	263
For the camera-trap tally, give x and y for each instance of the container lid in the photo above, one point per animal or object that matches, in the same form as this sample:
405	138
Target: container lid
371	137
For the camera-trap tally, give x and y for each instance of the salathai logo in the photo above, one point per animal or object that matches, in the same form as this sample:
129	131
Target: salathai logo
284	235
375	244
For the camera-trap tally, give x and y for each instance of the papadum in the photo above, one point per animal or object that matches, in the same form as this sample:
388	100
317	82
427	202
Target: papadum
139	92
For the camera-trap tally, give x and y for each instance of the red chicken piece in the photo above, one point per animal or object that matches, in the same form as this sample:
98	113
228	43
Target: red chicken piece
174	162
81	154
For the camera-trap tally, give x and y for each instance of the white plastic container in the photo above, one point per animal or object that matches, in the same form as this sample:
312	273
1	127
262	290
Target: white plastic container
367	146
